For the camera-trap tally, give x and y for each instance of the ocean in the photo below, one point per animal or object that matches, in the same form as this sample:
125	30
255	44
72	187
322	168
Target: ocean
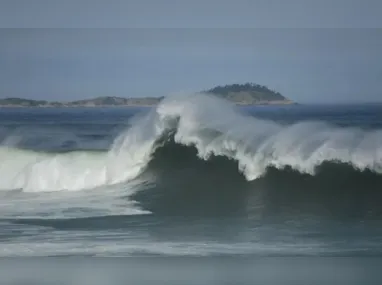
192	191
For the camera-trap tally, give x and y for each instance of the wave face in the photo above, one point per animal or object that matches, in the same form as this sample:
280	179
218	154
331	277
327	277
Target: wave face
186	185
214	128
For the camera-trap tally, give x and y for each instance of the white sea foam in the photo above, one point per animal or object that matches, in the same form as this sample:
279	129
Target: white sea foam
37	171
257	144
214	127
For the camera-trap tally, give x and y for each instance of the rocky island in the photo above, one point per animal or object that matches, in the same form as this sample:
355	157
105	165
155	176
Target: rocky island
241	94
249	94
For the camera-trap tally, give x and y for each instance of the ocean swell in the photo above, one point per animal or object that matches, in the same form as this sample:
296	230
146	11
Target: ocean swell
214	128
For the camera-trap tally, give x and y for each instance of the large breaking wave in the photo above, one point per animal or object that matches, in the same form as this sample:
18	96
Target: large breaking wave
214	128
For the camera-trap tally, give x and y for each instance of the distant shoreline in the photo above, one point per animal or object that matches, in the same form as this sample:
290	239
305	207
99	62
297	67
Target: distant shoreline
139	105
248	94
76	106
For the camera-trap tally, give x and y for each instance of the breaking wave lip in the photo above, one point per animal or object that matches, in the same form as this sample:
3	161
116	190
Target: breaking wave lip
214	127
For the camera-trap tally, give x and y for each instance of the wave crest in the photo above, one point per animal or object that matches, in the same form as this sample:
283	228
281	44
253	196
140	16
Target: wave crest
217	128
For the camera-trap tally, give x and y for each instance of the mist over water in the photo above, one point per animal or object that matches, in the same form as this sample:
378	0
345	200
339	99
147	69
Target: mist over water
194	176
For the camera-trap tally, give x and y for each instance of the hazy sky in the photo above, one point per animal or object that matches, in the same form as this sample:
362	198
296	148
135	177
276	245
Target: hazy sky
170	46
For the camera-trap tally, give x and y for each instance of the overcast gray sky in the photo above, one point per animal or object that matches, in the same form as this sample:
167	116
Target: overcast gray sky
310	51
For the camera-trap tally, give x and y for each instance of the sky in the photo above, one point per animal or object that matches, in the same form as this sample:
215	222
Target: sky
310	51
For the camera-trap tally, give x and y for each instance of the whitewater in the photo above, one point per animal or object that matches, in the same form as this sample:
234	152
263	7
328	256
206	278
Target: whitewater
192	176
211	125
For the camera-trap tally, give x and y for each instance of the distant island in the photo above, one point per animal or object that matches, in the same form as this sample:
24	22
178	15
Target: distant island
241	94
249	94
